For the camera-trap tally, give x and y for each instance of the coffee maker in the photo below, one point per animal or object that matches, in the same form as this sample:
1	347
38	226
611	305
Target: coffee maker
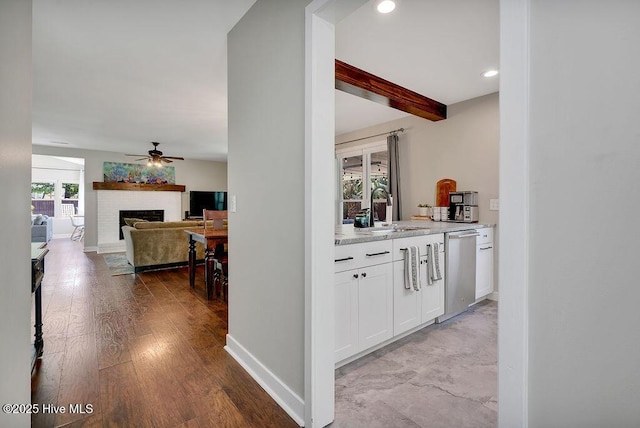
463	207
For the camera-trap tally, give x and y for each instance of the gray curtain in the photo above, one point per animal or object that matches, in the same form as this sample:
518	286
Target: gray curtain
394	175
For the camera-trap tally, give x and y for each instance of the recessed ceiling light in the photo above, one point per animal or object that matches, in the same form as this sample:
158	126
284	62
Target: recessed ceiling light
490	73
386	6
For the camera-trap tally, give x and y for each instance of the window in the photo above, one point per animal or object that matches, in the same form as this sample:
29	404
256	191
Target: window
69	199
57	187
70	190
54	199
360	170
42	198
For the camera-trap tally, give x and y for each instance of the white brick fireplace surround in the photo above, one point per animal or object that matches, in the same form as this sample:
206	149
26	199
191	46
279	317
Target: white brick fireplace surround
110	202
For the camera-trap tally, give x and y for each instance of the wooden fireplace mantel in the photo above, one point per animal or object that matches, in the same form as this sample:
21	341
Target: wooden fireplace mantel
99	185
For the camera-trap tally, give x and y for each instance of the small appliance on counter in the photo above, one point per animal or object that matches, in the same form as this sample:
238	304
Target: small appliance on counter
362	218
463	207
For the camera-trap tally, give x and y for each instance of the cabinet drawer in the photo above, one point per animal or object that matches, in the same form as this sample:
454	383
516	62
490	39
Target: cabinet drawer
420	241
375	253
360	255
486	236
345	258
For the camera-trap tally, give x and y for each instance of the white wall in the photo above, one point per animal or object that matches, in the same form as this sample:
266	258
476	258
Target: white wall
55	162
200	175
15	176
584	151
46	175
513	313
463	147
266	174
194	174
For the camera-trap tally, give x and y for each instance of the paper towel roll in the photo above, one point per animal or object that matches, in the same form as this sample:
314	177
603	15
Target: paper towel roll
389	214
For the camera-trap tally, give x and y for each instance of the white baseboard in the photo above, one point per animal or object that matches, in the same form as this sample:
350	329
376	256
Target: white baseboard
281	393
90	249
112	247
493	296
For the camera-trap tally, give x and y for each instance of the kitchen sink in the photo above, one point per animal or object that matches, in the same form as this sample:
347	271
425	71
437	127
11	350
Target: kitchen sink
407	228
381	230
394	229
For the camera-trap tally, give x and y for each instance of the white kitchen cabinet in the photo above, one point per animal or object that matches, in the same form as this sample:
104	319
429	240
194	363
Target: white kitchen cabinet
372	306
356	256
484	263
432	304
346	314
406	303
363	297
375	305
412	308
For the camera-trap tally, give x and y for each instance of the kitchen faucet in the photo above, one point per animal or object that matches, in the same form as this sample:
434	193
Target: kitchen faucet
371	212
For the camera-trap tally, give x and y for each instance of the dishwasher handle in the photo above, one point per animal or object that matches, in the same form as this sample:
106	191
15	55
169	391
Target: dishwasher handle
468	235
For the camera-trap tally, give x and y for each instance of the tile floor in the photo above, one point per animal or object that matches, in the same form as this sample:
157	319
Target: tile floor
444	375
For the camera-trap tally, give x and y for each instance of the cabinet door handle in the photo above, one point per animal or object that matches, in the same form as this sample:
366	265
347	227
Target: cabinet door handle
343	260
486	248
355	275
377	254
364	274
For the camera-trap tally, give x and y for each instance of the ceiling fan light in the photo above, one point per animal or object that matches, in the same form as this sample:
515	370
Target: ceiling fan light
386	6
154	158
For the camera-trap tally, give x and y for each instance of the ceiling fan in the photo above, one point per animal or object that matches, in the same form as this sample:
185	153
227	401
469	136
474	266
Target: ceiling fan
155	157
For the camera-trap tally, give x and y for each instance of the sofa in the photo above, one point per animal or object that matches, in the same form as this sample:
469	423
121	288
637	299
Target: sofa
157	244
41	228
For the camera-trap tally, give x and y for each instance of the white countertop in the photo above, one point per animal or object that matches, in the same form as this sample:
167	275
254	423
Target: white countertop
347	234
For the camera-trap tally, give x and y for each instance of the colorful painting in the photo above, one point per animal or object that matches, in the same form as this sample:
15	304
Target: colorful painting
138	173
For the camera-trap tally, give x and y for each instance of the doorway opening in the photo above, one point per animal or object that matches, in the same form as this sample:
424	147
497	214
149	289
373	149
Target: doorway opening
316	106
57	193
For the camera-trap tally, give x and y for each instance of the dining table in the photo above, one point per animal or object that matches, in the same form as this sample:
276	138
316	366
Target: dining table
213	240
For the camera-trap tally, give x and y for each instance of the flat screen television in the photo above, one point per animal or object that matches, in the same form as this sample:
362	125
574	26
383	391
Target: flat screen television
200	200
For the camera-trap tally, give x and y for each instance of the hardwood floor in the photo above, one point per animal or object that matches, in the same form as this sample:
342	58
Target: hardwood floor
143	350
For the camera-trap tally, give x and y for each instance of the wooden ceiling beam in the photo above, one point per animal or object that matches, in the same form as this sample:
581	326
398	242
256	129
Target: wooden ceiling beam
365	85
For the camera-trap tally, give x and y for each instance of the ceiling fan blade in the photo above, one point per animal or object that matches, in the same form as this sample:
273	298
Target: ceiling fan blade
155	156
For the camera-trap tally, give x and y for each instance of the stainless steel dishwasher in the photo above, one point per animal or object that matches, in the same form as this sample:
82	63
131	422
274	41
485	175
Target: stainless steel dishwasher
460	278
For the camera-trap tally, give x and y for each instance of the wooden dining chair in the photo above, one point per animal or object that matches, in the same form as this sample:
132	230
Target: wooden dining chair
220	262
214	219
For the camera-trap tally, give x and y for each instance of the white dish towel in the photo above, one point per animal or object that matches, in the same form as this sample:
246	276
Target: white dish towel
433	263
412	268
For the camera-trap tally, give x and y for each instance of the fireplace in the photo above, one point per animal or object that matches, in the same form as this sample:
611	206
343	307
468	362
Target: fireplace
149	215
111	202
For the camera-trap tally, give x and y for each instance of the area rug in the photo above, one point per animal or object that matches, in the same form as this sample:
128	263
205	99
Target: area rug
118	264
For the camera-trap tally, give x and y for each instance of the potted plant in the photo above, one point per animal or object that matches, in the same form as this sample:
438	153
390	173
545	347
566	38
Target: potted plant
423	210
